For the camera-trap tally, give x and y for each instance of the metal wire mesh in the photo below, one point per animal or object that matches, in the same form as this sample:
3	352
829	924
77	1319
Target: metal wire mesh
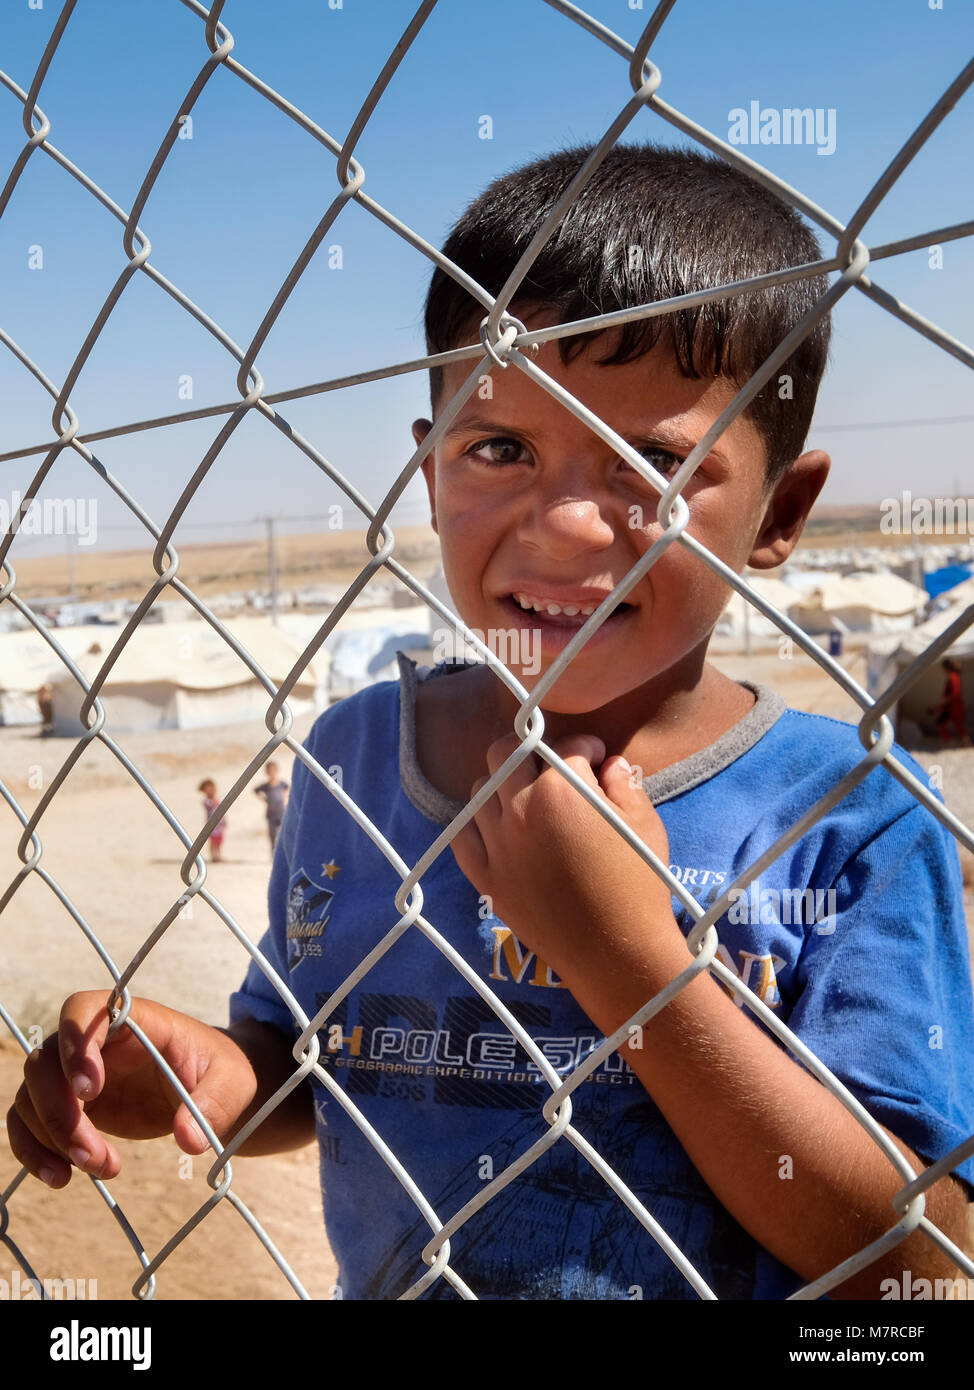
504	345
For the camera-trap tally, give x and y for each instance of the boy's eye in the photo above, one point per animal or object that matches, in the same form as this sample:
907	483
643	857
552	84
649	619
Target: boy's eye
661	459
500	450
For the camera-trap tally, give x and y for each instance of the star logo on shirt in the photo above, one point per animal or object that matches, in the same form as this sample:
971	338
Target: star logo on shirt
331	868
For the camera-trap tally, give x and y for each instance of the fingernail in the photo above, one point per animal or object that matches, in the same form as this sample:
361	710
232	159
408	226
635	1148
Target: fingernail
79	1156
47	1175
81	1085
624	765
197	1132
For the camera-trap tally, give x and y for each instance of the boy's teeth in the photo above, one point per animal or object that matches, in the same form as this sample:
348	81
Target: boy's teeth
570	610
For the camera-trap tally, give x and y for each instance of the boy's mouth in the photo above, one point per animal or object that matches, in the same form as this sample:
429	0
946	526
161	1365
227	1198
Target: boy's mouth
564	615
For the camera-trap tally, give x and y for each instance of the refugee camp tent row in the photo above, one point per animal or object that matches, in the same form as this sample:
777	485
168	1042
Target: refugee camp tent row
822	603
184	675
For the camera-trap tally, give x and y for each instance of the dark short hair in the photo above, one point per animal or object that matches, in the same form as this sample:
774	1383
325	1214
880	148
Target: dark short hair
697	221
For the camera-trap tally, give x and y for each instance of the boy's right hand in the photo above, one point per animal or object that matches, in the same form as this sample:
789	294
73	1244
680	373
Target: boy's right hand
77	1084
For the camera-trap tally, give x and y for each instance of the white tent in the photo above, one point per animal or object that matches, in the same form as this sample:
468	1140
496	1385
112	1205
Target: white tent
363	647
183	675
812	577
27	662
859	603
740	615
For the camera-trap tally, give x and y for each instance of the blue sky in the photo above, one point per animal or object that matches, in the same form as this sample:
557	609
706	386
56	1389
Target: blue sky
235	204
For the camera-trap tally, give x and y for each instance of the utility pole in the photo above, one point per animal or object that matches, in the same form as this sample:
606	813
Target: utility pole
918	570
272	566
72	575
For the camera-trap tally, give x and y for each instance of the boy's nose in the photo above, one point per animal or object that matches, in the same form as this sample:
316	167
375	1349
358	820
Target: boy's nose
565	527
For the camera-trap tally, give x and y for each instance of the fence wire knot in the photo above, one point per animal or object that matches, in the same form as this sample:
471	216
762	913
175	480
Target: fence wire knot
499	350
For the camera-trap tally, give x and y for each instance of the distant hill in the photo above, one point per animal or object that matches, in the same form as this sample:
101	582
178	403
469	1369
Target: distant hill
222	566
859	526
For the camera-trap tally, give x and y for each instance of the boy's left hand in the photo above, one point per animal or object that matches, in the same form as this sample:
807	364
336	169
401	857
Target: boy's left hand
563	880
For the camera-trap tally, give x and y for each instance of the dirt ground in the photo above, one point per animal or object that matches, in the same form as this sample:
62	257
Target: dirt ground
108	847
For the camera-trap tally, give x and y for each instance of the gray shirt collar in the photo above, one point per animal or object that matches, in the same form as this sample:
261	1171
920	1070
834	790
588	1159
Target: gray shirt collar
661	786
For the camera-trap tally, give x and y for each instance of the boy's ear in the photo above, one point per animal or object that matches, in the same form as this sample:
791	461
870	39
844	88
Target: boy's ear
421	429
787	509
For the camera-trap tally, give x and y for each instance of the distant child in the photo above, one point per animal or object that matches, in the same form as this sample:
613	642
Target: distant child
45	705
211	800
275	792
949	709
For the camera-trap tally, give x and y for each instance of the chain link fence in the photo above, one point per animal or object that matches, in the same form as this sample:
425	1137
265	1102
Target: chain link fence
505	344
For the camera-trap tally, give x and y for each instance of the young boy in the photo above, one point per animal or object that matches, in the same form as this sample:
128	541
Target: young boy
746	1161
275	793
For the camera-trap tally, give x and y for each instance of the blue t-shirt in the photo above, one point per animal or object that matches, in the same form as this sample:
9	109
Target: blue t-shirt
855	937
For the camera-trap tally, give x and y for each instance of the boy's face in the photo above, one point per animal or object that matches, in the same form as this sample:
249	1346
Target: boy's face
527	500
